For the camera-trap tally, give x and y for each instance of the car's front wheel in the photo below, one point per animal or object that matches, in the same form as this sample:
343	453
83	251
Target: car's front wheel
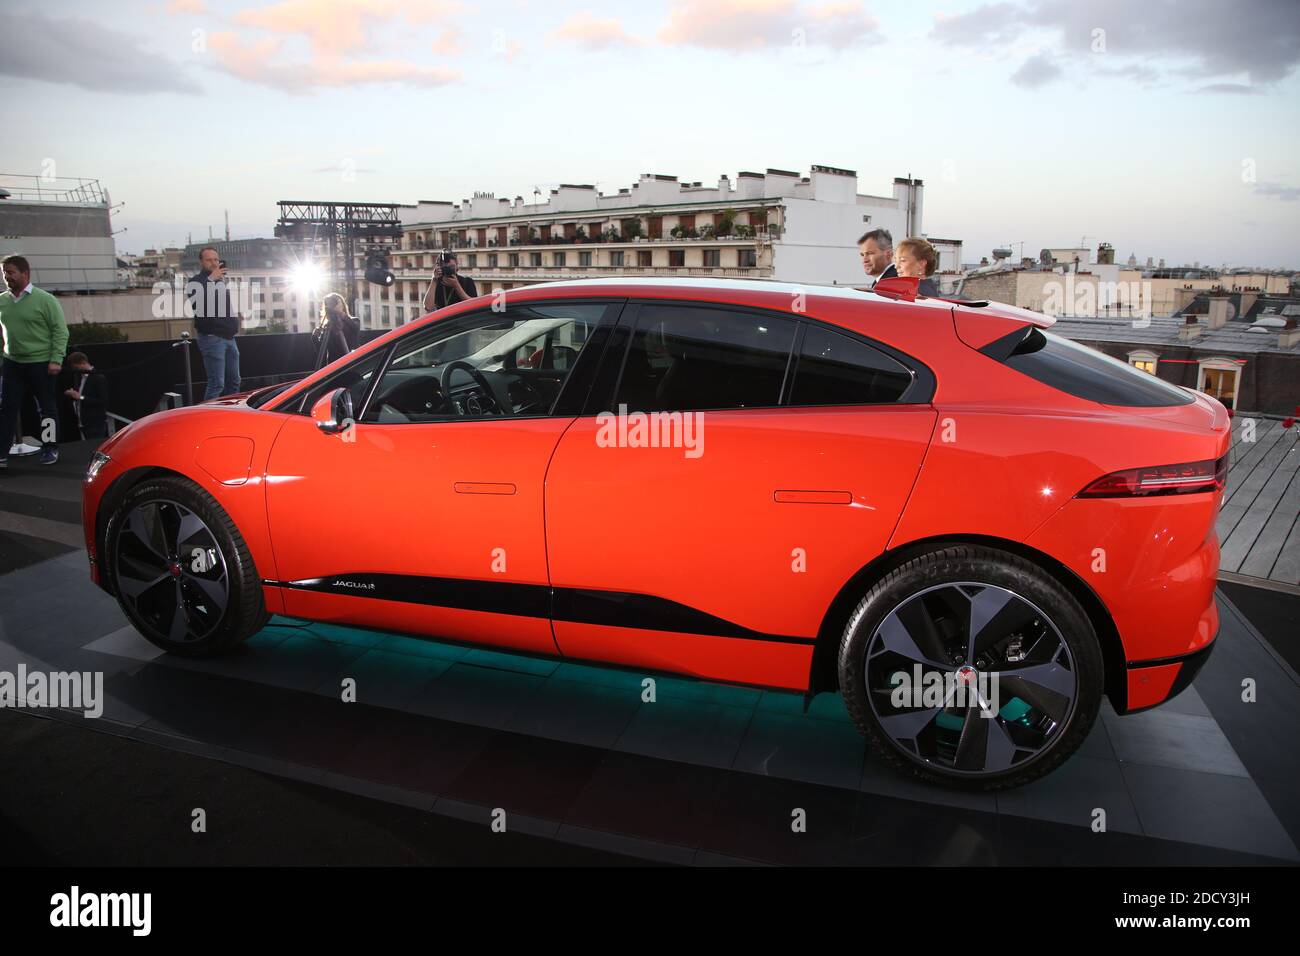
180	569
971	667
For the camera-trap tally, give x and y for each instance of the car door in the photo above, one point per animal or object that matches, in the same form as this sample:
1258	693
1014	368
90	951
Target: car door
713	538
426	515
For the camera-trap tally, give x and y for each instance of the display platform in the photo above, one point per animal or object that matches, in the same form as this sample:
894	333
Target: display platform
707	773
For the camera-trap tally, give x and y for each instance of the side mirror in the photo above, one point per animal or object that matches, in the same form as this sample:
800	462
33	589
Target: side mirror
333	411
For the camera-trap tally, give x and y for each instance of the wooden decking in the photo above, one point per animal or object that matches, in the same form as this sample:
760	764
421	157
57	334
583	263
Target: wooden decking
1259	534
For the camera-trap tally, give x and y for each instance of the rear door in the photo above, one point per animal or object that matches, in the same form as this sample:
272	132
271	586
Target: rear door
737	468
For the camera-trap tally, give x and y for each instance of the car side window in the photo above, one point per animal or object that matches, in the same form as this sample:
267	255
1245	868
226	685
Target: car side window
836	369
512	363
355	377
686	358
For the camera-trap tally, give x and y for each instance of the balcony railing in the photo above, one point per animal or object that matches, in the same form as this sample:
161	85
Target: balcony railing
764	234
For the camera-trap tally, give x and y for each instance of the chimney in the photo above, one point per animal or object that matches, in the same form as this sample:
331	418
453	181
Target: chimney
1190	329
1290	335
1218	313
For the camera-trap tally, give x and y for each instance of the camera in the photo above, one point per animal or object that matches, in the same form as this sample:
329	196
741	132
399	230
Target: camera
446	264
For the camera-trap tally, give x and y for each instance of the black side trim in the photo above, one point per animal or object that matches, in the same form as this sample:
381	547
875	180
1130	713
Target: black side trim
577	605
624	609
1197	657
499	597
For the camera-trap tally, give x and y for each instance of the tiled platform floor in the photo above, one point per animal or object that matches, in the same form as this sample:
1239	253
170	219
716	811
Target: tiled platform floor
707	773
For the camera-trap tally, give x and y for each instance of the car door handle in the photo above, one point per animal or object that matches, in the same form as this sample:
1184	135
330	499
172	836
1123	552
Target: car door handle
484	488
785	496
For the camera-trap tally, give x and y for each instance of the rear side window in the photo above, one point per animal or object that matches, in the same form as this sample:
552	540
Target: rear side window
834	369
687	358
1085	373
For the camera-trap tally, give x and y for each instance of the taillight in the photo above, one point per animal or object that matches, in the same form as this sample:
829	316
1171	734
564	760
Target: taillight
1191	478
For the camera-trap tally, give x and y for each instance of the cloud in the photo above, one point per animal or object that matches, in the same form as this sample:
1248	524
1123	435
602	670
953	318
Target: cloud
337	34
1278	191
79	52
1038	70
336	27
262	61
1257	39
1237	88
994	24
757	24
185	6
590	33
450	42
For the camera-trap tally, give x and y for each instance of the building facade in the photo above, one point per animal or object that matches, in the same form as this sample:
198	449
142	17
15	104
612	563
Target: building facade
771	225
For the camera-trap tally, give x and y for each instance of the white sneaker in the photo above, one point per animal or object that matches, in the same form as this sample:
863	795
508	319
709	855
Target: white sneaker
22	448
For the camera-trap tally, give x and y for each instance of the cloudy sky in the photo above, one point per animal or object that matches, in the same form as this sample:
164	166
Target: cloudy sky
1167	127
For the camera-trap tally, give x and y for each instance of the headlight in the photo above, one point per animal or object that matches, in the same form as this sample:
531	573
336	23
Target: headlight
97	461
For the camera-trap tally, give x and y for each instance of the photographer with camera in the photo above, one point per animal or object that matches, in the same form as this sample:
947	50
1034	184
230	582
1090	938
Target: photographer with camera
338	329
448	286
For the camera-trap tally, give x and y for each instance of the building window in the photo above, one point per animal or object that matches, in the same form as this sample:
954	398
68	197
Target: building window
712	258
1144	360
535	259
676	258
492	260
616	258
557	259
514	260
473	260
401	314
384	318
643	259
748	258
584	258
1220	378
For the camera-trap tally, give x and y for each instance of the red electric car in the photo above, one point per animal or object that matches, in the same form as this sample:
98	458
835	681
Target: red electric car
801	488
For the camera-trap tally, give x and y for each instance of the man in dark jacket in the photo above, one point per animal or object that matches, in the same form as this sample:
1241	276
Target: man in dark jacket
216	323
88	394
877	250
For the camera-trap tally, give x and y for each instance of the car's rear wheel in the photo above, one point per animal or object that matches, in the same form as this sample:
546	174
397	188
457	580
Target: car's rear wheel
971	667
180	569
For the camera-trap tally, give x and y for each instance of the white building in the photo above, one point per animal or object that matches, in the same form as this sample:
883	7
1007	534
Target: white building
772	225
63	227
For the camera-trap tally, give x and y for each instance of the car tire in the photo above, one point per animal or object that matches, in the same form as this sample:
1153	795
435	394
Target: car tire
180	569
1024	621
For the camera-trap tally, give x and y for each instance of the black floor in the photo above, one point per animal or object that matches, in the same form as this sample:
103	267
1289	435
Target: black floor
1275	614
445	739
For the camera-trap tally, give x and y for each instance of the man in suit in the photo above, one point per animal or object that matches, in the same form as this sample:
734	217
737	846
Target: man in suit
877	250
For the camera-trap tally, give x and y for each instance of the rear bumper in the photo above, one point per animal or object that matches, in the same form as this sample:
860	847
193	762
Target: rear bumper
1151	683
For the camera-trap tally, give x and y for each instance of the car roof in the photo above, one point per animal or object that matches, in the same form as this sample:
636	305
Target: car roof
658	286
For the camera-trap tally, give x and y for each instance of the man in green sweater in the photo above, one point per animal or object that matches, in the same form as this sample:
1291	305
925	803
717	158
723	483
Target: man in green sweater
35	337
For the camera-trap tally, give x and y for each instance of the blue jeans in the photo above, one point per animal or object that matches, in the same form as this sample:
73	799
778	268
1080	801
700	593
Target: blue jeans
221	363
20	380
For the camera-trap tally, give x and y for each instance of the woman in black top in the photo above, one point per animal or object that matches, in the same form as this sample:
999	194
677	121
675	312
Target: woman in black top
342	329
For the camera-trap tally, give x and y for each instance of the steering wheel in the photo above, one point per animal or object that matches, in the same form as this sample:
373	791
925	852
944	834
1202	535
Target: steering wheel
490	401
